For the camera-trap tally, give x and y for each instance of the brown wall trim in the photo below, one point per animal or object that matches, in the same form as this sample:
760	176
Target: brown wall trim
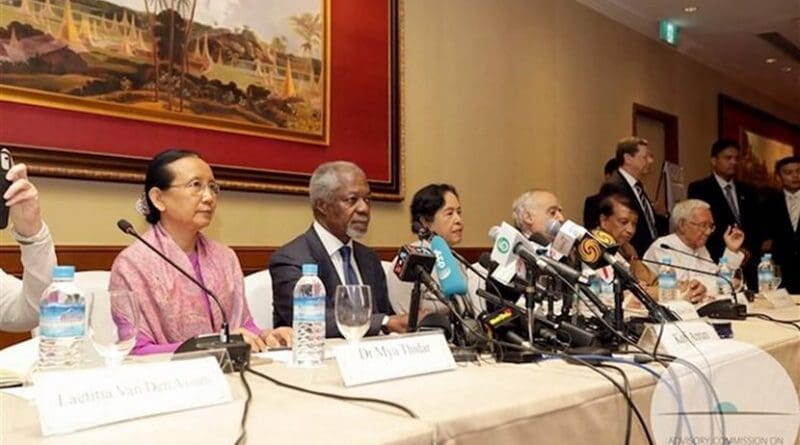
252	258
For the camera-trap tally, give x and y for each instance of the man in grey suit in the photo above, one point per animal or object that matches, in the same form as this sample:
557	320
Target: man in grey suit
340	201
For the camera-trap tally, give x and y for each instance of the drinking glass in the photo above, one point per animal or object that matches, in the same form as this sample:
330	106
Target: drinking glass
776	277
113	320
353	310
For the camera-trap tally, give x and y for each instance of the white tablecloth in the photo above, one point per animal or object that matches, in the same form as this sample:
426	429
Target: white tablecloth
550	402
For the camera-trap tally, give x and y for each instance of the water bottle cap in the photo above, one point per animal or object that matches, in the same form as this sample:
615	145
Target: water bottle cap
723	260
666	260
310	269
767	256
64	272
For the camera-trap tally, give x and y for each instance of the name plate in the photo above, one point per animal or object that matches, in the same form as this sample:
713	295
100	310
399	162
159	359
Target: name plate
779	298
678	337
683	309
73	400
393	357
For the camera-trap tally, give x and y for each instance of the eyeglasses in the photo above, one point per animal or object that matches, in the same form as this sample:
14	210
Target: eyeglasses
196	187
705	227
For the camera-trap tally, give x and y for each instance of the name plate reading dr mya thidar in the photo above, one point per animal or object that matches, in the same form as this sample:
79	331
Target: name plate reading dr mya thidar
393	357
78	399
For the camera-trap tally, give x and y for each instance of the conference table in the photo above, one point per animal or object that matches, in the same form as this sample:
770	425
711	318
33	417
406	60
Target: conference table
478	403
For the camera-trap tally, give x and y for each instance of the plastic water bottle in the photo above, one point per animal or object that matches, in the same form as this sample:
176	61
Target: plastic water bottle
667	281
766	274
62	321
308	320
725	276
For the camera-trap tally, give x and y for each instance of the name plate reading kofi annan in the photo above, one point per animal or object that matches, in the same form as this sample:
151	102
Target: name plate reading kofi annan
677	338
393	357
73	400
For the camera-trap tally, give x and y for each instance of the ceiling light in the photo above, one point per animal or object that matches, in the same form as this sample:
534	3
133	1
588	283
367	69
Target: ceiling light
690	9
786	69
771	60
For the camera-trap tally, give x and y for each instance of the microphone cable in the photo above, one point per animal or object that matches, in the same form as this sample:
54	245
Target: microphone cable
332	396
627	386
792	323
243	436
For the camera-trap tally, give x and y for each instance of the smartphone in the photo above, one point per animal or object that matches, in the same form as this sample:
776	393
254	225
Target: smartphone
6	162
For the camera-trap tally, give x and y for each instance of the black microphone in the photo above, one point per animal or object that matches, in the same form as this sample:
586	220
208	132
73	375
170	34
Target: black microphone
723	309
683	252
234	344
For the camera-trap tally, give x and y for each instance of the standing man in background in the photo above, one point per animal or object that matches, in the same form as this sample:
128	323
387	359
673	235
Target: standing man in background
636	161
782	218
732	202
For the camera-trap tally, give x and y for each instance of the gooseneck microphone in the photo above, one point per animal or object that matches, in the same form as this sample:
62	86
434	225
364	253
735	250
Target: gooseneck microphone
683	252
722	309
234	344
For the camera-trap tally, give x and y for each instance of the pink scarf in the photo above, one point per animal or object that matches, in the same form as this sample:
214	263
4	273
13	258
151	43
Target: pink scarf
172	308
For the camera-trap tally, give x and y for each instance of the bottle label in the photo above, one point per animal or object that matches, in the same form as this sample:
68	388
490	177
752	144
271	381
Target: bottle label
309	309
667	282
59	320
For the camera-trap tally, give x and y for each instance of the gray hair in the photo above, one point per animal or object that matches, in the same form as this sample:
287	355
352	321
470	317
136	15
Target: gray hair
684	209
326	179
523	204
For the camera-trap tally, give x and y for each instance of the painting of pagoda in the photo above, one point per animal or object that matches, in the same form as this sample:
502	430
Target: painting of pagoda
248	66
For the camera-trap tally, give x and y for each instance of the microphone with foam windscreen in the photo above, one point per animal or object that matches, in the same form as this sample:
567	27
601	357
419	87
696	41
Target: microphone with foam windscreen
452	281
238	349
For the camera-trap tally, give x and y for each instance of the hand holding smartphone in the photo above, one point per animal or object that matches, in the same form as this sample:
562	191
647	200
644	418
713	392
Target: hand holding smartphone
6	162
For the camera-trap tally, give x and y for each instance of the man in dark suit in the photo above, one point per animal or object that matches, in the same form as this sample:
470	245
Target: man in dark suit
635	160
340	199
733	203
782	217
591	218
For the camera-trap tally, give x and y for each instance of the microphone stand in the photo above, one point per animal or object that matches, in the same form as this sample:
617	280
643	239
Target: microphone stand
720	309
413	310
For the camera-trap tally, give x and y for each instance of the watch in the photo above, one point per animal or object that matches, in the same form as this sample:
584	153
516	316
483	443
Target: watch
385	324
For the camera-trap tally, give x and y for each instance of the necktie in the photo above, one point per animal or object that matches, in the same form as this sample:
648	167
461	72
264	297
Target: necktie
648	211
793	202
350	276
732	201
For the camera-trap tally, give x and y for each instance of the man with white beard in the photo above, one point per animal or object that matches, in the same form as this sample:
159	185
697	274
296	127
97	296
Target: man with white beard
340	201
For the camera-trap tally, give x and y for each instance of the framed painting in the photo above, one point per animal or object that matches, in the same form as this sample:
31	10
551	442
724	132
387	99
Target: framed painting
763	137
265	90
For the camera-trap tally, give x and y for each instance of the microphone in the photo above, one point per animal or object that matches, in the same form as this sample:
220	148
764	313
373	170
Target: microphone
453	283
666	246
414	264
723	309
238	349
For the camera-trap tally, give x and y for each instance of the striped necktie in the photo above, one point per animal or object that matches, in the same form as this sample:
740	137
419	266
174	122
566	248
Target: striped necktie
648	211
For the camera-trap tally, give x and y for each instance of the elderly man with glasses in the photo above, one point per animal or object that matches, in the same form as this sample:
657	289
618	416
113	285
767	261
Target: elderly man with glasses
693	223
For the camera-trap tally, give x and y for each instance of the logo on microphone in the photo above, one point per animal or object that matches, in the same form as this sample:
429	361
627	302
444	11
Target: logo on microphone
503	246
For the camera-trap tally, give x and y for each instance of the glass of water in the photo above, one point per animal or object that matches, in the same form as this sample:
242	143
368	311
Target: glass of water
776	276
113	319
353	310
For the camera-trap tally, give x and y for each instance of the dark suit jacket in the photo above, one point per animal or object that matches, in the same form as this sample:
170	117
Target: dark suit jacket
285	267
785	241
642	239
708	190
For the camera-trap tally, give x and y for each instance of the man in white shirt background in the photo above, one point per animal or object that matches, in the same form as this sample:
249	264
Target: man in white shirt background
782	218
693	224
19	299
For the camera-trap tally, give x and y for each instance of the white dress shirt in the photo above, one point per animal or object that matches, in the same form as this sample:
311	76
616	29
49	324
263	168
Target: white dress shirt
332	246
793	204
19	299
702	262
